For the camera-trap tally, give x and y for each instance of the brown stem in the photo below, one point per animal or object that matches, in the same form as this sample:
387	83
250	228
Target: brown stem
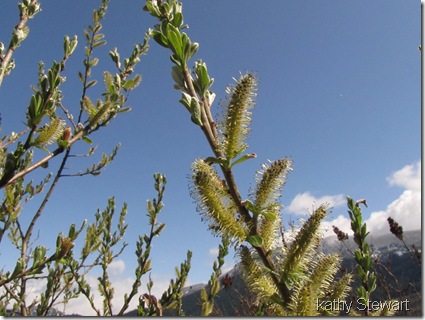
206	128
208	124
56	152
136	283
265	258
11	50
209	117
26	238
46	198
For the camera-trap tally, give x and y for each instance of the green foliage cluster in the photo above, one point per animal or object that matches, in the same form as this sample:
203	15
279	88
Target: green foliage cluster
277	275
364	260
64	273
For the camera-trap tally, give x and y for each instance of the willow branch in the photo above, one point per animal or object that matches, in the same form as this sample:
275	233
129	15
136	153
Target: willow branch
211	135
11	49
45	200
56	152
206	128
207	109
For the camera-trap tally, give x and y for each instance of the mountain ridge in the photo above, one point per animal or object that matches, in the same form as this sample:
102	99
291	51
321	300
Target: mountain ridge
236	299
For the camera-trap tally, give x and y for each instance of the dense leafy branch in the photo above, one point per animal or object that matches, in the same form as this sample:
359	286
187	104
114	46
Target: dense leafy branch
197	98
253	221
15	165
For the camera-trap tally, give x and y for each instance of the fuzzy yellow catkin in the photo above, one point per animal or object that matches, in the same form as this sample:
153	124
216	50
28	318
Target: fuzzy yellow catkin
50	133
270	181
256	277
100	114
306	239
237	117
214	202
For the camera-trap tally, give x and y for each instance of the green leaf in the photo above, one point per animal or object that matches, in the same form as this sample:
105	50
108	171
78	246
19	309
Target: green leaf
122	110
250	206
80	76
18	269
244	158
69	45
153	9
146	238
215	287
159	229
115	56
91	83
99	43
202	77
186	101
204	296
71	233
269	215
364	231
39	255
177	20
255	240
210	96
87	140
193	49
177	76
219	161
372	283
175	42
160	38
196	111
175	59
358	255
132	83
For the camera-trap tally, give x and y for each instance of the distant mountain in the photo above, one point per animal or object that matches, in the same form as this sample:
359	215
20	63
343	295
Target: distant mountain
233	300
404	282
236	300
51	313
385	243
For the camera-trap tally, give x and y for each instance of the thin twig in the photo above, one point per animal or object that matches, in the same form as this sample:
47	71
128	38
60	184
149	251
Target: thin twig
23	19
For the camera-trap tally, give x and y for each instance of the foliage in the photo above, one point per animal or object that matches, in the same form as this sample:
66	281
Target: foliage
277	275
364	260
397	230
63	274
214	282
376	278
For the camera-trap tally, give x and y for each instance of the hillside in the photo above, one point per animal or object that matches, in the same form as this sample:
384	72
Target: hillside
390	253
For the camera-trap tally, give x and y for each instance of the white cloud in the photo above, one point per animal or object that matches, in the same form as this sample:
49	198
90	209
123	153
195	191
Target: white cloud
342	222
303	202
405	210
409	177
121	283
213	252
116	267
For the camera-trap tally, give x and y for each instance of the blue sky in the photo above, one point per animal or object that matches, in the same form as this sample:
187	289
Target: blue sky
339	92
